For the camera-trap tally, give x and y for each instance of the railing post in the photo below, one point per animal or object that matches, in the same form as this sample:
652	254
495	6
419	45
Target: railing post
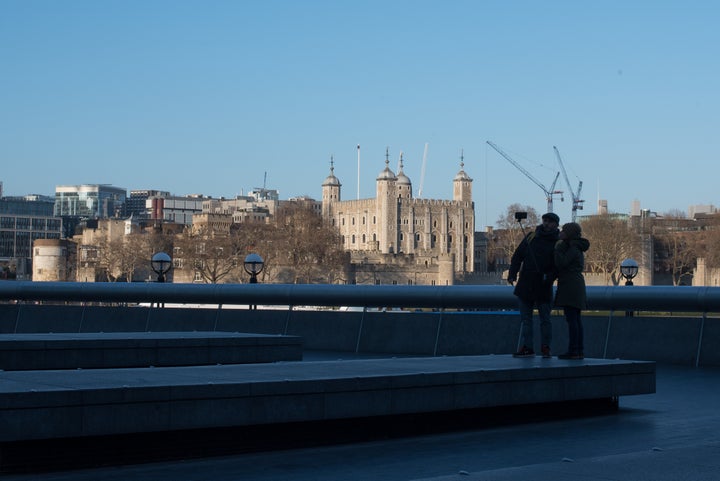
607	334
700	339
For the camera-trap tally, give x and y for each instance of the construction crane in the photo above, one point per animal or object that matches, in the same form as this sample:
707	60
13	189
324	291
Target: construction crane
576	201
549	193
262	192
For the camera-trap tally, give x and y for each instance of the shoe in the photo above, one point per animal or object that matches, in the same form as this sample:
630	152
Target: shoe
545	349
524	352
571	355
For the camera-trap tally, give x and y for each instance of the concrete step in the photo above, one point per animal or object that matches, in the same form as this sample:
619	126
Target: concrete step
77	403
142	349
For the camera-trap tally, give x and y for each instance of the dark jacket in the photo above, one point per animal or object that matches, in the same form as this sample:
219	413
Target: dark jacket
533	259
570	263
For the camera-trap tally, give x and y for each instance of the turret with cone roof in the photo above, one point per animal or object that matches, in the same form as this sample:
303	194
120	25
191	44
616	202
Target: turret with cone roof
403	184
330	189
462	183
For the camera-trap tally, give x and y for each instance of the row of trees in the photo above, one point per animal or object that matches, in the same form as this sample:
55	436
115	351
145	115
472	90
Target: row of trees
297	248
676	246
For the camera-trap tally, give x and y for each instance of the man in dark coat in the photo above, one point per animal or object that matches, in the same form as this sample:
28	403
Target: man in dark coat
534	261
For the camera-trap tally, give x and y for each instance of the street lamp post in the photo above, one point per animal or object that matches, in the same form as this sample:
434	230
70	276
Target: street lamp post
629	269
253	265
161	264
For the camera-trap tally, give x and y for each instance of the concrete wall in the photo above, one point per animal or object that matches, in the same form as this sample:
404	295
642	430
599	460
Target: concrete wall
679	340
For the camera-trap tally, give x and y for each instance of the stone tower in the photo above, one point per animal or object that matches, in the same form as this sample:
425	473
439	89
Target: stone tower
462	184
387	208
330	191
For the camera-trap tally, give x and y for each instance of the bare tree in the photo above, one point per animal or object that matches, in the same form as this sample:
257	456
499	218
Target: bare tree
509	234
263	240
708	245
214	256
313	250
611	241
297	248
677	253
674	246
111	258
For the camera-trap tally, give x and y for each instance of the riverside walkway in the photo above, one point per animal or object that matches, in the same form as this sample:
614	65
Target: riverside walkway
669	435
667	428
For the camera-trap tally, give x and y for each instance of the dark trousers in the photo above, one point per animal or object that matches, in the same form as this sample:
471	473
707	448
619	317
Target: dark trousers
575	330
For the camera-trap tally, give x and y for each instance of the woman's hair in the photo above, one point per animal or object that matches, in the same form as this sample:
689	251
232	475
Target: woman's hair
572	230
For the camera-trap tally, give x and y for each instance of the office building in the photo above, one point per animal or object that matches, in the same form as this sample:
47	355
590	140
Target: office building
98	201
22	221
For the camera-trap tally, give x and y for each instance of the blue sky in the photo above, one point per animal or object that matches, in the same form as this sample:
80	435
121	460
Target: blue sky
208	96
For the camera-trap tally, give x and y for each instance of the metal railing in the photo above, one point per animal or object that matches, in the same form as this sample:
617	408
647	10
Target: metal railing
611	298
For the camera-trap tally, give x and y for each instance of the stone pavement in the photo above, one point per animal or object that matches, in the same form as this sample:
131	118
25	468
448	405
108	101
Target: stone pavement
105	402
670	435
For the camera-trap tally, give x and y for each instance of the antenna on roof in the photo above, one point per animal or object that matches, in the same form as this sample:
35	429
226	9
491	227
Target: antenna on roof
422	171
358	177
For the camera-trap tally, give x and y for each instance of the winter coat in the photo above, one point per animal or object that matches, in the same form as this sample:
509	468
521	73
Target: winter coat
570	263
533	259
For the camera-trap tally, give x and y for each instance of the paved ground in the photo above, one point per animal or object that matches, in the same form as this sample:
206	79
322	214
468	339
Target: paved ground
671	435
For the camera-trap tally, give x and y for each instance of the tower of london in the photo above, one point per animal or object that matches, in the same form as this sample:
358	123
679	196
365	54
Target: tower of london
396	238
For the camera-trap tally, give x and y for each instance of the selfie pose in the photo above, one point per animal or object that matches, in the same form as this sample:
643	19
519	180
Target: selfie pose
533	260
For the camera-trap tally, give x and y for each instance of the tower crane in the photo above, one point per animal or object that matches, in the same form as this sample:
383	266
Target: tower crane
576	201
549	193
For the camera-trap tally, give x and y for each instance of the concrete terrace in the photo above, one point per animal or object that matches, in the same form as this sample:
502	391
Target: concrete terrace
409	396
669	435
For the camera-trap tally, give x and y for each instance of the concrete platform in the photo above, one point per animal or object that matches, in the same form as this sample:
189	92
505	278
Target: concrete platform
142	349
670	435
36	405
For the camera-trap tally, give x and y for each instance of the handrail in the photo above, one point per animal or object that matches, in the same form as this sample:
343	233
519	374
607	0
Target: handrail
637	298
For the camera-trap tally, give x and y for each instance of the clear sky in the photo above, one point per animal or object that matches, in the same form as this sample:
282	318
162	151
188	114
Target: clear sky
209	96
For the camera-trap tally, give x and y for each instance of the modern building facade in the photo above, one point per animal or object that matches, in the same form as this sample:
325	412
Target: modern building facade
97	201
22	221
174	209
136	204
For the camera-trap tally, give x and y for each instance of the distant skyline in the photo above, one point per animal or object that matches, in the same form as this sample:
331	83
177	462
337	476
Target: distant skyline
207	97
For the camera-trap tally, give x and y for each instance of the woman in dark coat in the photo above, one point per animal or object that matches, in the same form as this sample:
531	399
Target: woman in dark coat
570	263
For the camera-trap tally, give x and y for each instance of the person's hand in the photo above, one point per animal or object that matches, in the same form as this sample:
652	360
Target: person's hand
511	279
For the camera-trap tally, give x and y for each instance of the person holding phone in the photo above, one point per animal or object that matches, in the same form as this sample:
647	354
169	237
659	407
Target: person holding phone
534	262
